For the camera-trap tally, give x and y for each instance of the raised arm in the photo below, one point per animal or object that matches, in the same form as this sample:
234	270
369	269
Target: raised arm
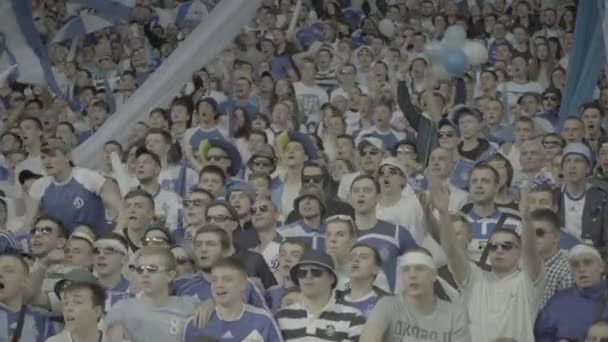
457	259
404	100
432	226
460	93
294	21
532	262
434	108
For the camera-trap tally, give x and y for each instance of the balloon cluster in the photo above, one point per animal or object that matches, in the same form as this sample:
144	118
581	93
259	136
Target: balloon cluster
451	55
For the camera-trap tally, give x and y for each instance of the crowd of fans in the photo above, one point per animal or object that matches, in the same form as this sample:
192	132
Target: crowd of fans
314	182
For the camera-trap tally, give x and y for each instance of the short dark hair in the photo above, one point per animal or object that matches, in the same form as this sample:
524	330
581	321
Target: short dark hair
16	255
544	187
260	133
162	132
592	105
213	169
293	241
219	232
368	177
485	166
140	193
141	151
114	236
115	143
98	294
222	203
377	257
63	231
232	263
101	105
546	215
506	231
508	166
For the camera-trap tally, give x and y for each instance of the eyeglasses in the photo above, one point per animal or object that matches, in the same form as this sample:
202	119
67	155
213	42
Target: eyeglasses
540	233
314	272
219	218
505	246
312	179
180	260
445	135
215	158
391	171
41	230
105	251
155	241
370	152
146	268
262	209
194	202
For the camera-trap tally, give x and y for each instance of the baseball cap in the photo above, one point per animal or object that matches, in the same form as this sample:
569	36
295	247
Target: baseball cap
577	148
79	277
394	162
371	141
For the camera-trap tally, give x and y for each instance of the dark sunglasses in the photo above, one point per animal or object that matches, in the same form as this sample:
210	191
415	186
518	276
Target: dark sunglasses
505	246
180	260
312	179
218	218
195	202
105	251
154	241
391	171
41	230
445	135
215	158
262	209
314	272
146	268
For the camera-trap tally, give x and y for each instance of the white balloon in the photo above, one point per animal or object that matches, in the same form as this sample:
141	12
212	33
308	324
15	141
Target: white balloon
387	28
432	51
439	72
454	37
476	52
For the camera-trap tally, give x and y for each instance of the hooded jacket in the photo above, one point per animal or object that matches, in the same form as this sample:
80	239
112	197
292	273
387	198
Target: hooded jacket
569	313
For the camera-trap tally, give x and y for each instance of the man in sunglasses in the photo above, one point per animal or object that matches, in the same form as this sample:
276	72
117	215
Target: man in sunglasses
211	244
416	311
232	318
224	155
184	260
264	217
318	316
316	174
167	204
545	223
391	240
398	203
194	202
310	204
371	151
109	259
570	312
492	314
163	316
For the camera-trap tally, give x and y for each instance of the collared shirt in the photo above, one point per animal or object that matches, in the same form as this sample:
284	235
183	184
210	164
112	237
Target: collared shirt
559	275
482	228
335	322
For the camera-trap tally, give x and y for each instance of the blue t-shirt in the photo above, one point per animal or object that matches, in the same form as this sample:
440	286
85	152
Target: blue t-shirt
365	304
195	285
482	228
274	295
194	136
37	326
75	201
314	238
118	293
391	241
254	324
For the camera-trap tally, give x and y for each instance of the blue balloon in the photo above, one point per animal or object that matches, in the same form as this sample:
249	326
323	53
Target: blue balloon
454	60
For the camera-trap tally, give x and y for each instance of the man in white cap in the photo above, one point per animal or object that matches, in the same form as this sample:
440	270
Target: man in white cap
586	300
583	208
504	301
416	312
371	150
398	203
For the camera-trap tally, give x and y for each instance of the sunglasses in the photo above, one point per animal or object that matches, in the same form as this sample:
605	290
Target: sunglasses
215	158
371	153
445	135
180	260
105	251
314	272
41	230
505	246
262	209
154	241
195	202
312	179
391	171
219	218
146	268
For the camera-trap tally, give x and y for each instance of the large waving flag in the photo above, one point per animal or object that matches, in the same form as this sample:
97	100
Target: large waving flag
83	24
587	57
20	45
200	47
105	8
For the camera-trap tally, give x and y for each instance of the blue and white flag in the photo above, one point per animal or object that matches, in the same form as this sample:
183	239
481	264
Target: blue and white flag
83	24
104	8
20	45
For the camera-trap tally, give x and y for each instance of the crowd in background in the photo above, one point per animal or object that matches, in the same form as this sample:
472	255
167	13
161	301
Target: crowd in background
315	182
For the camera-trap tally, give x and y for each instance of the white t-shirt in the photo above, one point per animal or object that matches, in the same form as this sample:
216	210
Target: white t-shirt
64	336
407	213
502	307
169	205
573	214
310	99
515	90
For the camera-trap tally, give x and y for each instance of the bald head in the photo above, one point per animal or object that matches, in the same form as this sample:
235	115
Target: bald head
440	163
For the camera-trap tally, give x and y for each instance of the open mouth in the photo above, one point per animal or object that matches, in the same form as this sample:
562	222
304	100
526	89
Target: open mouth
1	285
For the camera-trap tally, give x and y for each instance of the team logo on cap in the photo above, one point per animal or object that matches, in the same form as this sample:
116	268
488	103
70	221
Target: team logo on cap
330	330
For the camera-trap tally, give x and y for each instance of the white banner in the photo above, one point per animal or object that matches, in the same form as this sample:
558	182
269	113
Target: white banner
202	45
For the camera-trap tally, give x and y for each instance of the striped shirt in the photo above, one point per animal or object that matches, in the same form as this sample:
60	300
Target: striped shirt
313	237
559	275
336	322
327	80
